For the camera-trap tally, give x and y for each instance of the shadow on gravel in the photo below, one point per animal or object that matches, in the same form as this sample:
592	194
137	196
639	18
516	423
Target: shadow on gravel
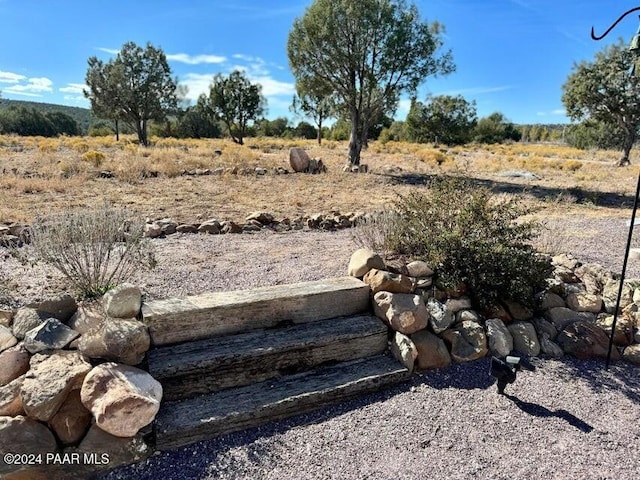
467	376
195	461
621	377
603	199
540	411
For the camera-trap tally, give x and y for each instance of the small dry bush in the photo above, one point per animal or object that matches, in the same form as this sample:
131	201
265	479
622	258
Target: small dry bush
94	248
94	157
374	231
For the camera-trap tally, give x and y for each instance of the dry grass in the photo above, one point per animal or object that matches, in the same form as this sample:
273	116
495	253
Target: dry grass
54	174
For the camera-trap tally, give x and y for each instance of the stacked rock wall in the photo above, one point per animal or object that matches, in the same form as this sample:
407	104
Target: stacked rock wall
432	328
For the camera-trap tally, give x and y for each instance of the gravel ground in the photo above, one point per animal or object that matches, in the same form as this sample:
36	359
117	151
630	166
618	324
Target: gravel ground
569	419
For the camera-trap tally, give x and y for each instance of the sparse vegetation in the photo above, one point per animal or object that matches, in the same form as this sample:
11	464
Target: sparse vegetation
471	238
94	248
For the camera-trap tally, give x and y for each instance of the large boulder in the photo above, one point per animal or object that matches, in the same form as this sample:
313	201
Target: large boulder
122	399
26	436
119	340
119	450
560	317
454	305
467	341
61	307
26	319
383	281
404	350
585	340
13	362
432	351
299	160
441	317
584	302
419	269
518	311
72	420
550	300
7	340
525	339
404	313
499	338
49	335
49	381
610	295
123	301
88	316
624	327
10	399
544	326
364	260
632	354
549	347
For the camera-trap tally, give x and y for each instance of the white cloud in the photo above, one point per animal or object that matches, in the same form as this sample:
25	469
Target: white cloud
111	51
403	108
32	88
8	77
477	90
197	83
76	88
76	99
559	111
196	59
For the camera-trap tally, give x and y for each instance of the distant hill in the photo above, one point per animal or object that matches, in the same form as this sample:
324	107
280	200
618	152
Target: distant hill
82	116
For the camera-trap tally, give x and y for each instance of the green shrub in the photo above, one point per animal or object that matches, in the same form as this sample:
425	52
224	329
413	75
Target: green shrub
469	236
94	248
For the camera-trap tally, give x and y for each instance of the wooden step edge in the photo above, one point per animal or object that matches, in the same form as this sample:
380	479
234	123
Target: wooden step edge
177	320
208	416
201	355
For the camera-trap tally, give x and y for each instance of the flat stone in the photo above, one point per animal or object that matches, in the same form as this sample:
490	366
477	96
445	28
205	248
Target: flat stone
211	227
50	335
49	381
264	218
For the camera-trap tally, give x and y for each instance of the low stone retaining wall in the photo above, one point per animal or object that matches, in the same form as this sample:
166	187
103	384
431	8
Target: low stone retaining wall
433	328
71	399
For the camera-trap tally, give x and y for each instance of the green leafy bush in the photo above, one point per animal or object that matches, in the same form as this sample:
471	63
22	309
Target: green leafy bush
94	248
469	236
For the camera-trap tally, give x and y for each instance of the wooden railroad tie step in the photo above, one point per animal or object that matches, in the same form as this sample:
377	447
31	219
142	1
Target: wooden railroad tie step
182	422
210	365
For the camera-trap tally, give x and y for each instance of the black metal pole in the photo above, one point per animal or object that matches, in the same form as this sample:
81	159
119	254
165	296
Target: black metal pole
624	271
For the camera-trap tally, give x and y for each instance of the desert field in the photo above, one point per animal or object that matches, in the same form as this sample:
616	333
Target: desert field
191	180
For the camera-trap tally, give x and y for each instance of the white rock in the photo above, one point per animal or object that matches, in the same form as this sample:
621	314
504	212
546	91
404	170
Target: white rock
499	338
364	260
7	340
405	313
419	268
404	350
122	399
123	301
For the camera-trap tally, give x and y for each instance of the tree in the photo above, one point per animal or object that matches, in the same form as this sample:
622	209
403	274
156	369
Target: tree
495	129
273	128
443	119
307	131
315	102
367	53
134	87
63	124
604	91
237	102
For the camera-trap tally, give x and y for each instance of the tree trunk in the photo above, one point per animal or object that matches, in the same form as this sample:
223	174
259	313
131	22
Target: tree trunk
355	145
319	137
117	130
628	145
142	133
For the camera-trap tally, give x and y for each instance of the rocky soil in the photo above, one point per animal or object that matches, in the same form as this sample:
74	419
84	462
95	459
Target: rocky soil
569	419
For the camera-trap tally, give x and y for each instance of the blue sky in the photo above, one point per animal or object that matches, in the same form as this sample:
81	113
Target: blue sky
512	56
